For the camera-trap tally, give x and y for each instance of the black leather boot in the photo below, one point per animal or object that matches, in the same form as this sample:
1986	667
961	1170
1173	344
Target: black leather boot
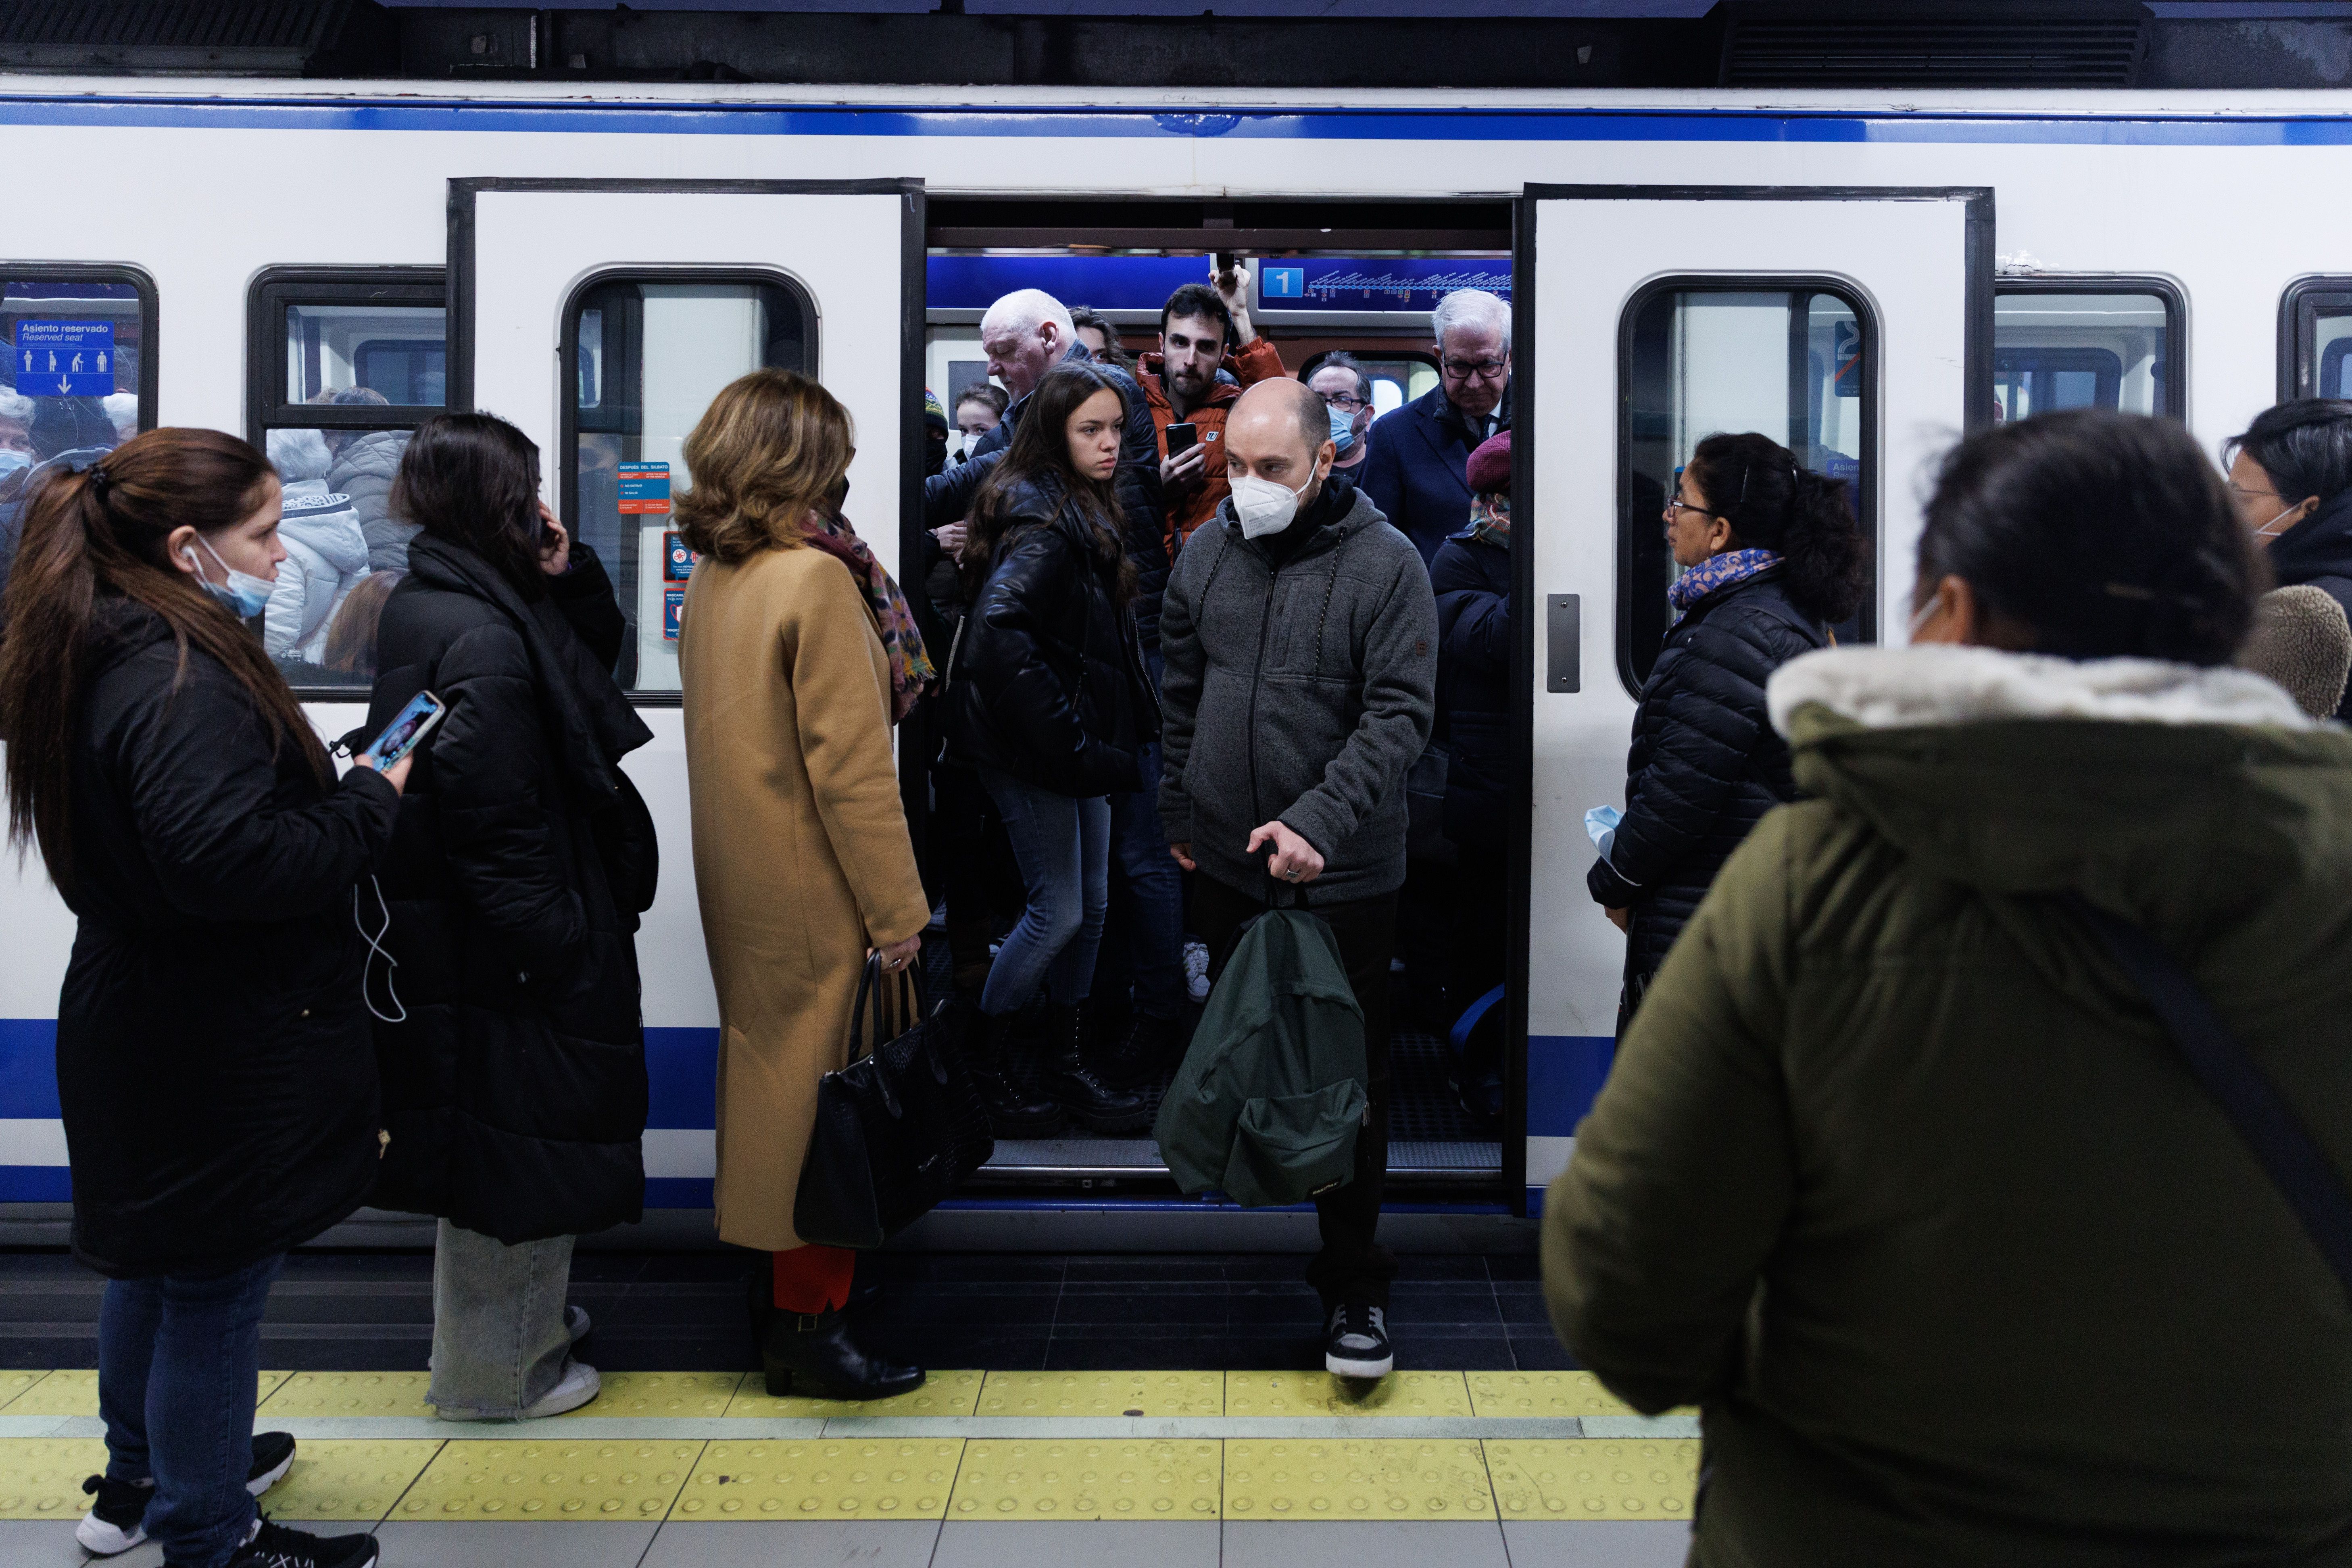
1013	1111
1097	1106
812	1355
1145	1049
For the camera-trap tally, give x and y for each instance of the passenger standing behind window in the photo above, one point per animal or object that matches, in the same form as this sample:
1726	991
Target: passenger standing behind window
214	1065
1050	700
1348	392
515	1072
1897	1176
1770	558
803	864
2291	481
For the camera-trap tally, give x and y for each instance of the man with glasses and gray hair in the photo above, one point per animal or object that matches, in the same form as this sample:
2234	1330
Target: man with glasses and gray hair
1416	471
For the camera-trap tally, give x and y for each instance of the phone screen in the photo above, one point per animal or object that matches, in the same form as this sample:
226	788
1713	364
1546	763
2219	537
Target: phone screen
408	727
1181	436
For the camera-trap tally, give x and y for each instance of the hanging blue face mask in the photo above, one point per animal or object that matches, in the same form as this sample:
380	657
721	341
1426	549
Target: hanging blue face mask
13	458
245	595
1343	430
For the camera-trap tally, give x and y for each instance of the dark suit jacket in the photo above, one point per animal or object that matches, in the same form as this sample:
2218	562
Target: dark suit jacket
1415	471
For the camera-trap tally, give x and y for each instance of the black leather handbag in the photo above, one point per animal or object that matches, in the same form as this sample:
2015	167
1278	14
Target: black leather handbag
896	1129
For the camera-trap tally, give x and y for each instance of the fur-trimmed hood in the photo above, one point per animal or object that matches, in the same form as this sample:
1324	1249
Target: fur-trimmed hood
2163	789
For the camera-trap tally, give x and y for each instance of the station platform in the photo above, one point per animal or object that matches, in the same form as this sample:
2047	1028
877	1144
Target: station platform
991	1466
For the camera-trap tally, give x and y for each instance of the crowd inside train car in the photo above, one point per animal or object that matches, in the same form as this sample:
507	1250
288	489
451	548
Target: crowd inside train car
1970	978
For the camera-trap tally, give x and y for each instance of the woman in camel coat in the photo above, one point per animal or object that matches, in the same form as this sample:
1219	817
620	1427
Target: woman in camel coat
795	651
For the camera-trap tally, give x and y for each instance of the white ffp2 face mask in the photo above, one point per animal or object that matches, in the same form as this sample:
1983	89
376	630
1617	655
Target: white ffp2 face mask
1263	507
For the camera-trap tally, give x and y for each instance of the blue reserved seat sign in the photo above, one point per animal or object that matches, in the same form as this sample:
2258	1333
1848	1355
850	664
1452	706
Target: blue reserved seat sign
63	359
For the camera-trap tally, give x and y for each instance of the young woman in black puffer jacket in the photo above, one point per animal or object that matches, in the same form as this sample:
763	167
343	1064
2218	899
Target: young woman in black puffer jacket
1047	696
1771	558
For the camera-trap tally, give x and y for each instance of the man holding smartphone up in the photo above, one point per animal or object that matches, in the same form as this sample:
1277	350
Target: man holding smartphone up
1198	326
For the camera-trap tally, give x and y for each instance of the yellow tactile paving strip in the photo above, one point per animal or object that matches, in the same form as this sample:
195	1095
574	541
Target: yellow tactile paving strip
1546	1393
1594	1478
336	1479
1320	1393
13	1384
1103	1394
883	1478
1080	1479
1376	1478
74	1392
40	1477
350	1393
942	1394
588	1480
659	1395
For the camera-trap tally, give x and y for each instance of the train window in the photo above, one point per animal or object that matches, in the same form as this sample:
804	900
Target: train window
1795	359
2088	342
342	364
2315	338
78	379
644	353
1397	376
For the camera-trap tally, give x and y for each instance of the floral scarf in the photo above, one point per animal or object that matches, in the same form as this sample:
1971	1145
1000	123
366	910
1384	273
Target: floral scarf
911	670
1717	572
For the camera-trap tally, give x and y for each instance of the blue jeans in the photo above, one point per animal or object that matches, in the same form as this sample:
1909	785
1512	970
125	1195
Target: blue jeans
1063	848
178	1358
1146	950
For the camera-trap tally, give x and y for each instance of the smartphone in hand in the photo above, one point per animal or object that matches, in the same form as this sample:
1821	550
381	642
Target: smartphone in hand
1180	437
407	730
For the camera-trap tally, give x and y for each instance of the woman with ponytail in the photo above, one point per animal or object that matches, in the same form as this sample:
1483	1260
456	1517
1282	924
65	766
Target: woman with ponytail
213	1060
1770	559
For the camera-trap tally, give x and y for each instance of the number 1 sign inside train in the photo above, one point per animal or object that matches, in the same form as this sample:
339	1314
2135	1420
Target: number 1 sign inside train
66	359
645	489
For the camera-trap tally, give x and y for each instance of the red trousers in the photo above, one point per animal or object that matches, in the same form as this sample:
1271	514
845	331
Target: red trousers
811	1280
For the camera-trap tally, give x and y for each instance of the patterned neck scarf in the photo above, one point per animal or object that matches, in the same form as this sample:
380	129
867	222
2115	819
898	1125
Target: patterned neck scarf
894	619
1717	572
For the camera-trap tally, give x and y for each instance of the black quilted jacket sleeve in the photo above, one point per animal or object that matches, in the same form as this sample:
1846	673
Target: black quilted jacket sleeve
1702	746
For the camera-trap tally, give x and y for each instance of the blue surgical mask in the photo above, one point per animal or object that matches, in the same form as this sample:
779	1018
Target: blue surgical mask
245	596
1343	430
12	459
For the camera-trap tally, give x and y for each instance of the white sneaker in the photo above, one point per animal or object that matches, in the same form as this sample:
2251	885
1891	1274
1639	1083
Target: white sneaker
1196	970
575	1323
578	1386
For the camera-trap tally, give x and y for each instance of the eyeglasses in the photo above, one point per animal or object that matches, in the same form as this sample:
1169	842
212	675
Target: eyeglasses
1344	403
1475	369
1679	504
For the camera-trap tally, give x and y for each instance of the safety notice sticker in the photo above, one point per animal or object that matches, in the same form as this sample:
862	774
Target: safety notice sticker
673	613
71	359
677	561
645	489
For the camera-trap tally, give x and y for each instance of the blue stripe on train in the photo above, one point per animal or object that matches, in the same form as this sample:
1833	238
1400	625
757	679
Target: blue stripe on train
28	1069
1564	1072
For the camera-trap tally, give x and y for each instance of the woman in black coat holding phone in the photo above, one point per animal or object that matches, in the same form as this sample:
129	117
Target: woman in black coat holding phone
1770	560
514	1069
1048	696
213	1059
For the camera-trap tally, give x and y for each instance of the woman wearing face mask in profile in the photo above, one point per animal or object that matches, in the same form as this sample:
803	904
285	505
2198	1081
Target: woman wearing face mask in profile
1048	696
214	1063
2291	484
514	1072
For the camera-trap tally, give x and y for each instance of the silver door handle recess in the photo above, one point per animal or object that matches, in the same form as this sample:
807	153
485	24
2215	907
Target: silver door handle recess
1564	623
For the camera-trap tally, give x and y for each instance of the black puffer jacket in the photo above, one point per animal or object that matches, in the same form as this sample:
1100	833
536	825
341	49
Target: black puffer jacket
2318	551
213	1057
516	1089
1706	764
1048	682
948	495
1472	580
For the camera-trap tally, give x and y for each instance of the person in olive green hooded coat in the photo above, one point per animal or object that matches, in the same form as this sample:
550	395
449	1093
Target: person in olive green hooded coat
1897	1176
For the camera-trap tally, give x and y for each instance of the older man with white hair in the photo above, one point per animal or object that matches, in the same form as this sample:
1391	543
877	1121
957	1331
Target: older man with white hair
1417	472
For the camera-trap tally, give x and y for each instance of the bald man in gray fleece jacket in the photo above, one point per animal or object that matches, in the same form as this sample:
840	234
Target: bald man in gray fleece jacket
1301	649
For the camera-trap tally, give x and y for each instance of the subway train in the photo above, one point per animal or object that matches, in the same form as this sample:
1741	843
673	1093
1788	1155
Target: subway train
318	266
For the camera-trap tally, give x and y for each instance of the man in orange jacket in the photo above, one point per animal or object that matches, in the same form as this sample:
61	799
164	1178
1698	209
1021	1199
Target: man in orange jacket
1198	326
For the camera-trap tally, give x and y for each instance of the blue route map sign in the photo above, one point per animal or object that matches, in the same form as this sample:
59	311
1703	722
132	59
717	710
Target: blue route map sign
63	359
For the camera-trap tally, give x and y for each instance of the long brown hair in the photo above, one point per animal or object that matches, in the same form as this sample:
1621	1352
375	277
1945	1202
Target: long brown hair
1040	454
102	532
473	480
772	447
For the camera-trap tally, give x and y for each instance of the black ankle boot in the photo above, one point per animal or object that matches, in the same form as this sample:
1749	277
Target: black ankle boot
1013	1112
813	1356
1144	1050
1097	1106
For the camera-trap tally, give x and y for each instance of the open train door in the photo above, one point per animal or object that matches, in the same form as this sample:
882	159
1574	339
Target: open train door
1855	326
602	316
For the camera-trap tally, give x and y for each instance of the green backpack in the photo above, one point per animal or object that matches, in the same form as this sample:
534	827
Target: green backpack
1271	1096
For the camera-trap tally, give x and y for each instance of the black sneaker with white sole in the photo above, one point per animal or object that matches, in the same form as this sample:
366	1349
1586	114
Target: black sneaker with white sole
115	1522
274	1546
1358	1343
